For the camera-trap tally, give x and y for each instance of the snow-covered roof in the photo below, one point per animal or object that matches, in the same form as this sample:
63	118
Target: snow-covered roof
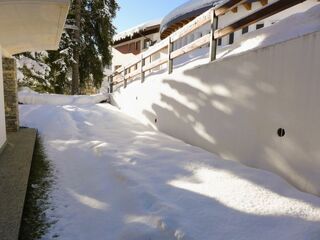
189	9
32	25
137	29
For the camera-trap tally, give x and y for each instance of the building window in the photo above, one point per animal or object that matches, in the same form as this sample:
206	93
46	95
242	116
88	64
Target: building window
129	47
219	41
245	30
231	38
137	45
261	25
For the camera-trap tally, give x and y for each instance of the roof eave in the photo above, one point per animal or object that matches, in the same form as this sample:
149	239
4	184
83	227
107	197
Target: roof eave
31	25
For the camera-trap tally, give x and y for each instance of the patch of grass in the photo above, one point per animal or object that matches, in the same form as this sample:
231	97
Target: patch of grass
34	221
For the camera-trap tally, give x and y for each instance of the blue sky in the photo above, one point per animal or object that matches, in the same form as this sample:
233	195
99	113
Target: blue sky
134	12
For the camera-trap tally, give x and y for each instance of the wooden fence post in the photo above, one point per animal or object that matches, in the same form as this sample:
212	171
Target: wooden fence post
170	61
213	41
111	84
142	65
124	77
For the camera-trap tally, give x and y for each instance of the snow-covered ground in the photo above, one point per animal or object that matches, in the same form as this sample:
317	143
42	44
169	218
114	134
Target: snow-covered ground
28	96
120	180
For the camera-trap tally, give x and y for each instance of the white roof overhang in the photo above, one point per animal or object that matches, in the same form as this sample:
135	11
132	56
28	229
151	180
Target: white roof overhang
31	25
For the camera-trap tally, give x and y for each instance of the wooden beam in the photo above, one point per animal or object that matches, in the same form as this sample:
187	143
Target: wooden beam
155	64
226	7
191	26
191	46
142	63
184	22
264	2
213	41
260	14
133	74
247	5
170	60
155	49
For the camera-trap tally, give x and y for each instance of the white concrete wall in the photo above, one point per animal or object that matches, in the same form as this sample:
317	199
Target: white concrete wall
2	113
234	107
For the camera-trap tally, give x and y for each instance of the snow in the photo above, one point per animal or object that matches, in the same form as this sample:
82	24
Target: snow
294	26
130	32
36	68
119	179
187	8
28	96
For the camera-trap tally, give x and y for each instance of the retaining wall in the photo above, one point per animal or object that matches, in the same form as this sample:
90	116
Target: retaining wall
235	107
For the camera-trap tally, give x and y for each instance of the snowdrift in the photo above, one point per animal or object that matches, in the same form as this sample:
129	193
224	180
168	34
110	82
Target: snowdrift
117	179
28	96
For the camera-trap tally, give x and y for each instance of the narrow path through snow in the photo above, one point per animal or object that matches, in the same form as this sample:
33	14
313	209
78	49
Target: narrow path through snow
118	179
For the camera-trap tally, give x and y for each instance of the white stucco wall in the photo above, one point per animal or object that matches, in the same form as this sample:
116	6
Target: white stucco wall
234	107
2	113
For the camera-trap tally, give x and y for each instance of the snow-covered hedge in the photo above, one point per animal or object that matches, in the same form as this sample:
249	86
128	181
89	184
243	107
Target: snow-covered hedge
27	96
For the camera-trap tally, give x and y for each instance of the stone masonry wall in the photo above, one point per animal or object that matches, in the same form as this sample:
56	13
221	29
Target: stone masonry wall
10	94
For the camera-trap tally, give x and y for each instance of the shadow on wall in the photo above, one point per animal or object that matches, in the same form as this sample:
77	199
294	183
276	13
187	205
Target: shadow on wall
147	201
235	107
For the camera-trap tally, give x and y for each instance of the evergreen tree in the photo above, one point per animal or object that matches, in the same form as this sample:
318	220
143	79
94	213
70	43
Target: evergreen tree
92	39
85	47
60	63
33	72
76	47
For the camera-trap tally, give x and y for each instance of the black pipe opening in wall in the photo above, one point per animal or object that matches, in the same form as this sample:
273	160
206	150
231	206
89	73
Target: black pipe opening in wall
281	132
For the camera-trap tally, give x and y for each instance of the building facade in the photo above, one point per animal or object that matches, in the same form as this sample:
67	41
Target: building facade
33	25
130	43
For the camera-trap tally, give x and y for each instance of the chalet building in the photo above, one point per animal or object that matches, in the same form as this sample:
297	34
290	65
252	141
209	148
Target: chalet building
33	25
185	13
134	41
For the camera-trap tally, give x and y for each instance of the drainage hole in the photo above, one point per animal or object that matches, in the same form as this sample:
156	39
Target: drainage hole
281	132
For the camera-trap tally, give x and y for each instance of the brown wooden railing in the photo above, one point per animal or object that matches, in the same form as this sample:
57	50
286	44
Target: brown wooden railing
140	67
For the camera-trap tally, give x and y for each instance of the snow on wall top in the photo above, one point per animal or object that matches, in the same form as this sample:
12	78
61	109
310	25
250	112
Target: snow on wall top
130	32
28	96
190	7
